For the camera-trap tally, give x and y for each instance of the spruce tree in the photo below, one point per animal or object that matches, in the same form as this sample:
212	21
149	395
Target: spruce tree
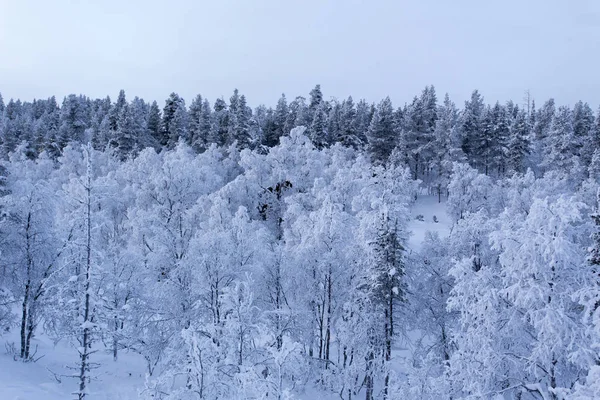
334	129
316	98
560	151
153	125
594	168
220	123
232	127
174	121
446	146
418	124
501	131
518	146
294	110
583	126
281	117
52	125
125	137
362	121
381	134
205	123
73	120
140	114
195	138
318	128
348	135
242	125
471	126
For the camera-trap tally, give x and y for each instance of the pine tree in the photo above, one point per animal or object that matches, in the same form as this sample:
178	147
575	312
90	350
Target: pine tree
281	118
195	138
241	132
206	123
232	127
126	134
501	131
595	132
73	120
348	135
583	125
541	125
318	128
153	125
265	119
174	122
446	146
381	134
99	135
518	143
334	129
418	126
269	137
140	113
200	124
362	121
113	119
594	167
220	123
471	125
483	146
119	105
316	98
296	111
543	120
560	149
52	125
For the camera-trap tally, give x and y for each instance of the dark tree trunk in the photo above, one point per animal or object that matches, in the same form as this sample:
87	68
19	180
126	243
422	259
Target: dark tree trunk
26	296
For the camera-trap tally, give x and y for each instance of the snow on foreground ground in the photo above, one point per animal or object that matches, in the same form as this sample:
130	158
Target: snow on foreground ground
123	379
39	380
422	221
428	207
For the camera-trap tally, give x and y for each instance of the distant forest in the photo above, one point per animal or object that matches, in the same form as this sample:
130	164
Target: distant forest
426	135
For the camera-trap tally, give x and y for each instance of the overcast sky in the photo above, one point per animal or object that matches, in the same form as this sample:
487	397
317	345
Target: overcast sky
367	49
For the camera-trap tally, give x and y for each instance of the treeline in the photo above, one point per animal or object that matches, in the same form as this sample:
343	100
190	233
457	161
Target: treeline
427	135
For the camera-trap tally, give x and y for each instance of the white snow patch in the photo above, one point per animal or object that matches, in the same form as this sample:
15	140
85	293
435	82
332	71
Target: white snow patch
428	207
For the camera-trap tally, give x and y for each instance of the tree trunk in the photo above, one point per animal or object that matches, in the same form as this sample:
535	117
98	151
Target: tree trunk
389	332
115	342
86	336
369	377
26	295
278	306
328	327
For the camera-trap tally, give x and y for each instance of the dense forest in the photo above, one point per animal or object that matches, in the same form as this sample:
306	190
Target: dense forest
251	253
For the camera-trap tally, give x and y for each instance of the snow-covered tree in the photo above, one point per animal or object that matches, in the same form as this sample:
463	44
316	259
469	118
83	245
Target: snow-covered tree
381	134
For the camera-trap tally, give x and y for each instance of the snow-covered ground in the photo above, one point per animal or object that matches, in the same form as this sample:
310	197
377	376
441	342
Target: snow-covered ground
122	380
428	207
40	380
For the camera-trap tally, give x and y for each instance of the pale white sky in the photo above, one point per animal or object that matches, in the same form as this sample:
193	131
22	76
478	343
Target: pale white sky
368	49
